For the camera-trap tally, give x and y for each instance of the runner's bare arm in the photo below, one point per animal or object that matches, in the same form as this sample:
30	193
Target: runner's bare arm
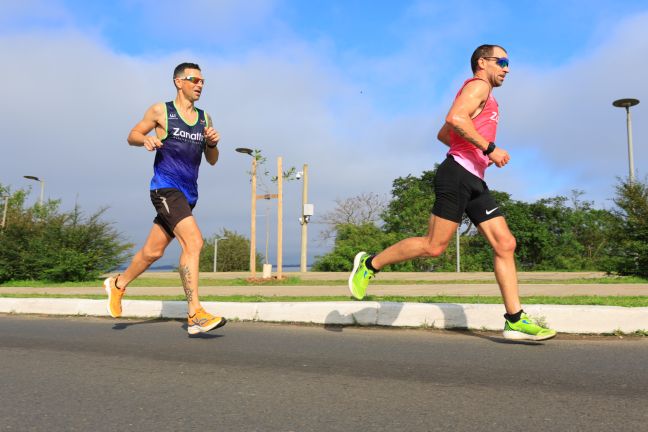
211	139
467	104
444	134
153	119
459	117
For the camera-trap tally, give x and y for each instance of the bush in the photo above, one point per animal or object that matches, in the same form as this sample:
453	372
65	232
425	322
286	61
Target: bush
233	253
40	243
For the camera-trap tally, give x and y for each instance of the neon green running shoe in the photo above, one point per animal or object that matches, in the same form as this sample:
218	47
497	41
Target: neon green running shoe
360	276
526	329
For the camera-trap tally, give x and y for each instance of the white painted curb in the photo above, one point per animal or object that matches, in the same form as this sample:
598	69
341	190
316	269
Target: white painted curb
564	319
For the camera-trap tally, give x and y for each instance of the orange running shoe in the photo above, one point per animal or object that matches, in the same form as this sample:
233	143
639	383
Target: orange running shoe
203	321
114	296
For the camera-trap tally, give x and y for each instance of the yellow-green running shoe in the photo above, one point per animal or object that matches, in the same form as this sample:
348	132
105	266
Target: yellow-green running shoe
526	329
360	276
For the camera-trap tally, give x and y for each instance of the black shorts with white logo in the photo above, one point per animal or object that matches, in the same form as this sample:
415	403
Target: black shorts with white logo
458	191
171	206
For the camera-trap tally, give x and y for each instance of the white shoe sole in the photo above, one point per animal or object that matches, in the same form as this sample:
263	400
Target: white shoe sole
516	335
192	330
356	264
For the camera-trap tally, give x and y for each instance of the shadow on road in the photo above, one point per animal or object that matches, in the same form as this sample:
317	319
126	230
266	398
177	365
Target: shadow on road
124	325
447	316
492	338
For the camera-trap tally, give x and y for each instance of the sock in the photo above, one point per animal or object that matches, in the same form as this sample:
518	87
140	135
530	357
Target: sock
117	286
514	317
369	264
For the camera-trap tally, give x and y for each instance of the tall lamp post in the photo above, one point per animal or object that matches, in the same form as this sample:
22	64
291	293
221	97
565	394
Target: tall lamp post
627	103
216	250
458	252
4	212
249	152
42	186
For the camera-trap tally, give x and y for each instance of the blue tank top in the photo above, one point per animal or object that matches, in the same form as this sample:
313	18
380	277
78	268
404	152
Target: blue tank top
177	161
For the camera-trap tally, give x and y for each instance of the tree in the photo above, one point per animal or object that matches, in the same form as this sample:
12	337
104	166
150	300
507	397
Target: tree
409	210
365	208
233	253
552	233
42	243
350	240
631	230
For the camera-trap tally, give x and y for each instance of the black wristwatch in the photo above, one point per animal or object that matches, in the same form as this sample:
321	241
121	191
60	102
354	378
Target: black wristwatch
212	146
489	149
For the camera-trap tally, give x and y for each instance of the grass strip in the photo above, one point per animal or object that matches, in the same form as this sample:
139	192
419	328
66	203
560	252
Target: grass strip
293	281
624	301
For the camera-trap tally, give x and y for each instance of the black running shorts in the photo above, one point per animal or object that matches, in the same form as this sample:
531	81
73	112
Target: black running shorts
171	206
458	191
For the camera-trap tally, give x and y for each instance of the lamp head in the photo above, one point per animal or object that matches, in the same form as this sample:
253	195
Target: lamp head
625	103
244	150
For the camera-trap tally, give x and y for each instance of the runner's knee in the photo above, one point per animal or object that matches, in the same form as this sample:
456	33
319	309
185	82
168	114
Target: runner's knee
193	245
435	250
151	255
505	245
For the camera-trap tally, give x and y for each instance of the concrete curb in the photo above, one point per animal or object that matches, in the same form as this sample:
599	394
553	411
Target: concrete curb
564	319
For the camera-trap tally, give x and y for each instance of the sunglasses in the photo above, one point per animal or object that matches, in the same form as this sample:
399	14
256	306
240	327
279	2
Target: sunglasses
499	61
193	80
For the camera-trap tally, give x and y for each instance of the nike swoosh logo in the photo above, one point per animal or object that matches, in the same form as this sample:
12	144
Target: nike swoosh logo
491	211
166	206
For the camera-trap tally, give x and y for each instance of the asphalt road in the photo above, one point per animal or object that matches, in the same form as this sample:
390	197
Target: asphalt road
80	374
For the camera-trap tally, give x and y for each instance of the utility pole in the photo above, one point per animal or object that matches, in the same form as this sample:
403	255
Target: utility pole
304	223
279	217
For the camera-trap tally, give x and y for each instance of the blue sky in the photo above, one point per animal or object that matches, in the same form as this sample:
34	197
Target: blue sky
326	83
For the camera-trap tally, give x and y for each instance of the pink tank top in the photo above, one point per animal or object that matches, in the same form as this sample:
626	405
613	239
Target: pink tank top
466	154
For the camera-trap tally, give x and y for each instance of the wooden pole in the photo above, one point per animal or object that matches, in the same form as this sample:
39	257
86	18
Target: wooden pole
304	226
279	217
253	221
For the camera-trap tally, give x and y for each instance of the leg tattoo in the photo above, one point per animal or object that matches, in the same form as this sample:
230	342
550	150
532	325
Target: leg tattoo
185	275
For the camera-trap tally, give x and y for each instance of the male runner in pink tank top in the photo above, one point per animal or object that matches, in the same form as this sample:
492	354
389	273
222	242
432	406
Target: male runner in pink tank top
469	131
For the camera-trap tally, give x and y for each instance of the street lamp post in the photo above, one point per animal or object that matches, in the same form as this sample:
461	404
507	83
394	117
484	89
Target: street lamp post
216	250
627	103
4	212
42	186
253	211
458	252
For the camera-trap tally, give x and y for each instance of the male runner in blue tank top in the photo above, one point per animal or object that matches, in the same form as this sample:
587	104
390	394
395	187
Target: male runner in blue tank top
183	133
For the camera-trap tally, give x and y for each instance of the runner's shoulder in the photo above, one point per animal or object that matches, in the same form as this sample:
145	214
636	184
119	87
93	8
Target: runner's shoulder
477	87
157	111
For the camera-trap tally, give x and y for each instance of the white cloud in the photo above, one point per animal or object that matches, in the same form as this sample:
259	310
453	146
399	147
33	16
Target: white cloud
71	101
76	101
562	120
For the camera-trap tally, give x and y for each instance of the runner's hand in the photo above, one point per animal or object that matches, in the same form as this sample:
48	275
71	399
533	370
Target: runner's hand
152	143
499	157
211	136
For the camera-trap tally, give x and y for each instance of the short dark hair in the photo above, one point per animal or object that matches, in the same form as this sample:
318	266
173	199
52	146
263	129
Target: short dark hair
482	51
179	70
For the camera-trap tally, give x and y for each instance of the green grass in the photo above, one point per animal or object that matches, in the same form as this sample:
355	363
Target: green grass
626	301
292	281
